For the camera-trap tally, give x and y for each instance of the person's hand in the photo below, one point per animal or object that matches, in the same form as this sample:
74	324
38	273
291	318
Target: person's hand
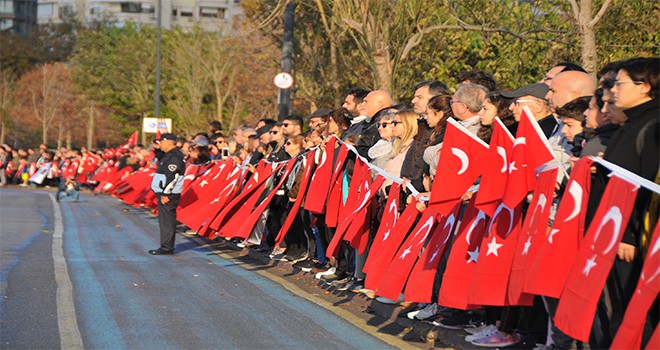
593	167
626	252
467	196
420	206
164	199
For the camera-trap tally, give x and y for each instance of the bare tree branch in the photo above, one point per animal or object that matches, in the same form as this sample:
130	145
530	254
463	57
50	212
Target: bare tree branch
576	9
600	13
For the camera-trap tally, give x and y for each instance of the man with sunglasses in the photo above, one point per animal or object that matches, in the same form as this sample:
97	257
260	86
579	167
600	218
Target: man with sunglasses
292	125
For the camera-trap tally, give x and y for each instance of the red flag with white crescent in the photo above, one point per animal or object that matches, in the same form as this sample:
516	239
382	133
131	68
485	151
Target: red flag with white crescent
463	258
595	257
549	268
91	162
629	335
496	166
304	185
390	245
320	183
420	283
387	222
530	150
491	275
397	272
458	167
532	235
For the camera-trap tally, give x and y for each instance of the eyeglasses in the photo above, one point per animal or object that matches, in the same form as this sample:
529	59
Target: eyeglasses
396	122
618	82
384	124
275	132
452	102
547	78
286	125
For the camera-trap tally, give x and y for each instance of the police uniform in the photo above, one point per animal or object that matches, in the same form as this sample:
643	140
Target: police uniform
168	181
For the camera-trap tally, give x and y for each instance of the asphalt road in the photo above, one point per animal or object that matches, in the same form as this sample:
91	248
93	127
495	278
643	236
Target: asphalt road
78	275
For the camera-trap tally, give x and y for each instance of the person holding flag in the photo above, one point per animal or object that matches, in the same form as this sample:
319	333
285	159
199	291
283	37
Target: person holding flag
167	184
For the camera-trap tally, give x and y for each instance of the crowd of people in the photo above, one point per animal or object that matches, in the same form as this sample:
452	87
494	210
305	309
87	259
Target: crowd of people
615	117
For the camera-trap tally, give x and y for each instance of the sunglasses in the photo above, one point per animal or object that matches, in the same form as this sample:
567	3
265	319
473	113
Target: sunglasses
288	144
275	132
384	124
286	125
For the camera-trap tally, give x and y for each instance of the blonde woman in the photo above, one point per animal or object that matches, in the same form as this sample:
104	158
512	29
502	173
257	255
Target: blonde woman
404	124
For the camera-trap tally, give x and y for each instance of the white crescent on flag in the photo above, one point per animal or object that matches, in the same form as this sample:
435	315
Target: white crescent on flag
576	192
614	215
465	161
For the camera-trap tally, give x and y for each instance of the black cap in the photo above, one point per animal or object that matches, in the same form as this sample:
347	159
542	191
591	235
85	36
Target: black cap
320	113
167	136
538	90
263	130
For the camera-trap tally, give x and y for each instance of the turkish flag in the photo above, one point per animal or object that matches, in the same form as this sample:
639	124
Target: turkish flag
320	182
390	244
532	235
463	258
206	192
304	185
549	267
459	165
91	162
212	206
397	272
230	219
420	283
335	199
491	275
71	169
577	304
530	150
387	222
132	141
496	166
629	335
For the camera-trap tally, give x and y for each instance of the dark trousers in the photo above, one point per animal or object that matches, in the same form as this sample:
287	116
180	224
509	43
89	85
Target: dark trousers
167	222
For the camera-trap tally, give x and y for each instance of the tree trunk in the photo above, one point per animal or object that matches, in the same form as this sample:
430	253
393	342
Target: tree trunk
3	133
68	138
90	127
589	54
44	131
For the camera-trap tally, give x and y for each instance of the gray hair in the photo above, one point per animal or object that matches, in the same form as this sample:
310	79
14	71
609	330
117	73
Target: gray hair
473	95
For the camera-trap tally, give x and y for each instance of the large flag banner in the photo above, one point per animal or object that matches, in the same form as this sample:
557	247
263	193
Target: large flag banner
534	227
420	283
91	162
458	167
397	272
496	169
577	304
530	150
334	201
320	183
629	335
382	257
387	222
491	275
550	266
463	258
40	175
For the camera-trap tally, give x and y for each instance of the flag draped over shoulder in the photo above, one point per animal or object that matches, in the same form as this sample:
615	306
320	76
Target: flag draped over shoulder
458	167
549	267
577	304
530	150
321	178
304	184
463	258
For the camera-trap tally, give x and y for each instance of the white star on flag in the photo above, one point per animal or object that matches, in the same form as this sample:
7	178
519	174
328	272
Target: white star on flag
203	183
528	244
493	246
512	167
217	199
474	255
435	254
387	234
405	252
590	263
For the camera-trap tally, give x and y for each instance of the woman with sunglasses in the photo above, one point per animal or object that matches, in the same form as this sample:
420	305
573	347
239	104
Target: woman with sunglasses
381	152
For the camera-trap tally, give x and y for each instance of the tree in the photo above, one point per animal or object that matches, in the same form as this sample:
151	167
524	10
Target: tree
7	102
587	22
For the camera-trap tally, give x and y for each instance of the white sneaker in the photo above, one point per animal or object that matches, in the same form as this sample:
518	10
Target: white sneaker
484	331
475	330
325	273
428	311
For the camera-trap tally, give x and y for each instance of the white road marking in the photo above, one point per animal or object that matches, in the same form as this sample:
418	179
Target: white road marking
70	337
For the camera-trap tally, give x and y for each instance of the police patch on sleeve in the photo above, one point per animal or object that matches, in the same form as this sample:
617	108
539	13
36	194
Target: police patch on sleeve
171	167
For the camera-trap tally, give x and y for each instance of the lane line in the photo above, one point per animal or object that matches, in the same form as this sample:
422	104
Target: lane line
70	337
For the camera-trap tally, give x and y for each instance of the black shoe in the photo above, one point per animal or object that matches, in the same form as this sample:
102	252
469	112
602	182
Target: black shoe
342	284
305	265
160	252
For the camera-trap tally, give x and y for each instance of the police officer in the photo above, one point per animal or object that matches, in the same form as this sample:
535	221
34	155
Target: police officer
167	184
